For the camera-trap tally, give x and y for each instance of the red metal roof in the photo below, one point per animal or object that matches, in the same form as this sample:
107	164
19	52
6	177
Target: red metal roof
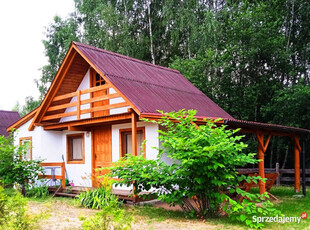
150	87
7	118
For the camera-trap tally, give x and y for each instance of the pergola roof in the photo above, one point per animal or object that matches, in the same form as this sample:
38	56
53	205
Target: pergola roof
276	130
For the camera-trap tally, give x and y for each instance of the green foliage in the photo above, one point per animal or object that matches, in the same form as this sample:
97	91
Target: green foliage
13	167
30	104
98	198
244	211
13	212
35	191
110	218
203	168
59	36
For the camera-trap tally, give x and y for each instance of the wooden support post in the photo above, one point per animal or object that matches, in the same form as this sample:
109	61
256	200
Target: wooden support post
78	106
63	174
134	133
278	171
261	166
304	168
297	150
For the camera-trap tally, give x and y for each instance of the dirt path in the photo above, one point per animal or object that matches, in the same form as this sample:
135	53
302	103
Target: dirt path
61	215
58	214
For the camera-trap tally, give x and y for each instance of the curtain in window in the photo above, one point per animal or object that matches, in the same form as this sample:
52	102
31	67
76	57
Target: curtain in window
129	143
77	149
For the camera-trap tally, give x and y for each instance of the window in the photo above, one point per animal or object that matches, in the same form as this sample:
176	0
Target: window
27	142
99	80
126	141
75	149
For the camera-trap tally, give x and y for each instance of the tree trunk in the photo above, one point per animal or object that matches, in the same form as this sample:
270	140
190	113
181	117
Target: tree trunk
285	158
150	30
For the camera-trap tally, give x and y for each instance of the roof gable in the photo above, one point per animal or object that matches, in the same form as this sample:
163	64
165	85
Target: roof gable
150	87
146	87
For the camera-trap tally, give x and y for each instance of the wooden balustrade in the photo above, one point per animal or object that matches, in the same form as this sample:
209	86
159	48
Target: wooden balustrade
61	177
79	102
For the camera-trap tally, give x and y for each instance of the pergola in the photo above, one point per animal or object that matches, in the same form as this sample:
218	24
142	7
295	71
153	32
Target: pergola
263	133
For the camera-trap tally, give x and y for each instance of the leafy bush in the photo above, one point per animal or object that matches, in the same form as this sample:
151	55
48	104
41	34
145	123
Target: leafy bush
203	169
37	191
13	211
13	169
98	198
110	217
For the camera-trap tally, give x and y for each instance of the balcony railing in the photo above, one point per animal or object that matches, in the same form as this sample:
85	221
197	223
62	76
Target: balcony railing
53	176
79	102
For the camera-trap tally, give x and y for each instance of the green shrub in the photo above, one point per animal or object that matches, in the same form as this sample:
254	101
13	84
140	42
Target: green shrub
203	169
13	211
110	218
13	169
37	191
98	198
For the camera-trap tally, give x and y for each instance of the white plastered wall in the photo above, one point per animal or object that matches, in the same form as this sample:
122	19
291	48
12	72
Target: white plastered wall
49	146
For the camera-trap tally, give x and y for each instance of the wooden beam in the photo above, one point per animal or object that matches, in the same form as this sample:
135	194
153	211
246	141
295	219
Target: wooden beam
297	150
78	106
96	88
107	80
100	98
89	121
60	115
64	96
134	133
62	71
261	165
304	168
23	120
105	107
72	128
63	106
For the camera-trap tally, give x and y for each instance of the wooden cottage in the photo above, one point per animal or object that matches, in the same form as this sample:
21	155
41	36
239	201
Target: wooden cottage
91	114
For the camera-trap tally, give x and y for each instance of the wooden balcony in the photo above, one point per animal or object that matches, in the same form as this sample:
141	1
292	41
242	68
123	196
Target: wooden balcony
59	111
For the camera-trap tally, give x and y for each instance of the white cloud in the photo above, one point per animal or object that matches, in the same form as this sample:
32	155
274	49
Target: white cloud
22	26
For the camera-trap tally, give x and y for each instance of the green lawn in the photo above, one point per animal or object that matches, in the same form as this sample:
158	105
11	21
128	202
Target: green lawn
287	204
149	217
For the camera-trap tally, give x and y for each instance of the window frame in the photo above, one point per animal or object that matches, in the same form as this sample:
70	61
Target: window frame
21	139
121	145
69	137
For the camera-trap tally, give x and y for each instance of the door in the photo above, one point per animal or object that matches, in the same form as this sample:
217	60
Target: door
102	151
97	80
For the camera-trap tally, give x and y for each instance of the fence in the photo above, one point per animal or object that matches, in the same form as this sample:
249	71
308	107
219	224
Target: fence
285	175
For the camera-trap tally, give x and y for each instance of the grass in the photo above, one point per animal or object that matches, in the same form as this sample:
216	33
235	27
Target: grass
288	205
149	217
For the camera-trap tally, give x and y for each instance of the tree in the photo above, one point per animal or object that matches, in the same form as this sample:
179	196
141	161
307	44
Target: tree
30	104
203	168
59	36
